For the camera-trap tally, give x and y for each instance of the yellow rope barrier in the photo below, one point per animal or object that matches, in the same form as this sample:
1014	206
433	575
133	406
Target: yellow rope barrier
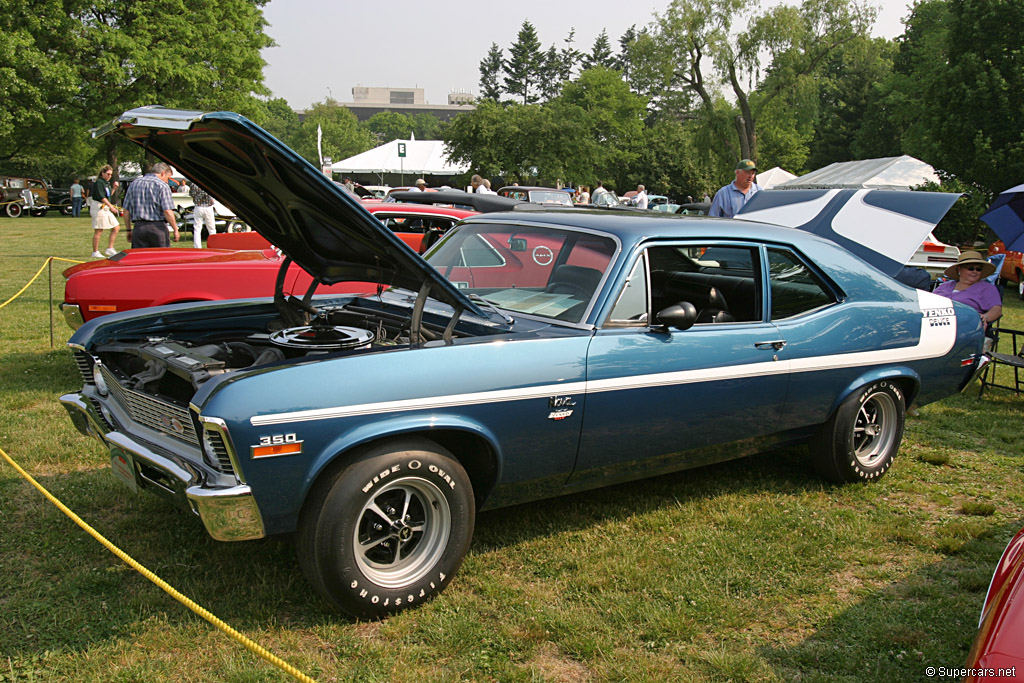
38	273
253	647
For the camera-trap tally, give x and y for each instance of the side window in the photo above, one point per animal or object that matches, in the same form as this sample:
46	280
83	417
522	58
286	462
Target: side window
631	308
795	289
722	281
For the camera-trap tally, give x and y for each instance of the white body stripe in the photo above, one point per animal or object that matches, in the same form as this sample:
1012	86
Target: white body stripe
938	335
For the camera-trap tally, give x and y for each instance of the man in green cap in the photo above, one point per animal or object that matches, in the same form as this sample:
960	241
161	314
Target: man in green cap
731	198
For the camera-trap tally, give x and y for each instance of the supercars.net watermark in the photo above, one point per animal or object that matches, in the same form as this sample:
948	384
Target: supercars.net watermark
963	672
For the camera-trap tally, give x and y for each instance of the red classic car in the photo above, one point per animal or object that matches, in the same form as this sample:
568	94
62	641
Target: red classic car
244	265
996	653
1013	268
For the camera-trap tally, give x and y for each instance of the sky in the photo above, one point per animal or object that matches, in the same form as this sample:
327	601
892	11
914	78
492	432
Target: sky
326	47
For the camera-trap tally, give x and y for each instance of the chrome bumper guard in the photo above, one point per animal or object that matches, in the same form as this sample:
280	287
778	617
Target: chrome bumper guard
228	513
72	315
980	363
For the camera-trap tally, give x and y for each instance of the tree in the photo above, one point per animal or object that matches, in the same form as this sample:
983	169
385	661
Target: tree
795	39
342	135
38	76
386	126
280	120
845	96
975	104
490	70
550	81
80	64
427	126
600	53
522	68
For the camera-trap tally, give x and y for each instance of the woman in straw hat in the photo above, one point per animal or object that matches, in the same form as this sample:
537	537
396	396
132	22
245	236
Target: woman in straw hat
967	285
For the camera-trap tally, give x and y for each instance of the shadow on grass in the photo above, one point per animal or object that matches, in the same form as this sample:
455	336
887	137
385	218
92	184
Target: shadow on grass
894	633
52	372
61	590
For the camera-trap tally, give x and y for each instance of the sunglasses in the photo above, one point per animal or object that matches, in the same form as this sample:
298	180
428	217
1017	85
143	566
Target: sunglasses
977	268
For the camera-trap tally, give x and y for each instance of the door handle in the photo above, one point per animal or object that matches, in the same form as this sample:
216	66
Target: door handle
777	344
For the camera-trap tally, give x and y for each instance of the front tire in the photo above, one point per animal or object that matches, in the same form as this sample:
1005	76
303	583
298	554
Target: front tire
14	210
1020	285
860	440
389	530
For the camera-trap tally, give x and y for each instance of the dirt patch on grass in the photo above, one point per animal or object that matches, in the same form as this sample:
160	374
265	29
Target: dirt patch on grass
553	665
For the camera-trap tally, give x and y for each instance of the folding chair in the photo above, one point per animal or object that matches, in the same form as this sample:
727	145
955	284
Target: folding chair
1014	359
996	260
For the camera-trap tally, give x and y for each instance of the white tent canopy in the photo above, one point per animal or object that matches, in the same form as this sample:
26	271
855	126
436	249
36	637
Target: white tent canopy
772	177
422	158
889	173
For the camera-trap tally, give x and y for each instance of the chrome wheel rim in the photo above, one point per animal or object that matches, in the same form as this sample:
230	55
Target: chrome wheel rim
402	532
874	430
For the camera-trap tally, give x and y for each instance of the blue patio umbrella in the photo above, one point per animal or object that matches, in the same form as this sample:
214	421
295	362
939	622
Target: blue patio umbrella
1006	217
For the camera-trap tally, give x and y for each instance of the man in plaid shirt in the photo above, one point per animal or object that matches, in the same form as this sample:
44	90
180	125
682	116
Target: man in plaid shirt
202	214
149	209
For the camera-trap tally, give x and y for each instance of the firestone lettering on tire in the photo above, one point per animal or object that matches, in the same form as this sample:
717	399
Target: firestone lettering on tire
408	599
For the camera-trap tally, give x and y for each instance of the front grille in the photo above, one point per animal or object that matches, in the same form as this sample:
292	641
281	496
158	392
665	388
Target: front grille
84	363
219	449
151	412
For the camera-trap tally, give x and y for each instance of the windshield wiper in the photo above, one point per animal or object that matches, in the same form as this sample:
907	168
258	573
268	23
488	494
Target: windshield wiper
509	320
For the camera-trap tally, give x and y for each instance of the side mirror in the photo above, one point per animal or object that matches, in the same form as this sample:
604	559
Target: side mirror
517	244
681	316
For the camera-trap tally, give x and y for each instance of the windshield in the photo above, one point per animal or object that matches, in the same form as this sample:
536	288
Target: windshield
549	272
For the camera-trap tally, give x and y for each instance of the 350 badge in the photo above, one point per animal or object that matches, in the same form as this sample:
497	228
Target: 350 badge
275	445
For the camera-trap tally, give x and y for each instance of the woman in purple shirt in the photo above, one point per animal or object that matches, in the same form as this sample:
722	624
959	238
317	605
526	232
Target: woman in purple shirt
969	286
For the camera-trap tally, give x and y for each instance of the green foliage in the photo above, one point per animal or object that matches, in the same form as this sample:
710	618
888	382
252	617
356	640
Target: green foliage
960	226
600	53
490	71
388	125
976	104
82	63
523	68
342	135
279	119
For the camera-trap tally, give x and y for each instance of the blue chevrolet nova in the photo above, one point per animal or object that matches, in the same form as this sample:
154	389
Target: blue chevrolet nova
533	353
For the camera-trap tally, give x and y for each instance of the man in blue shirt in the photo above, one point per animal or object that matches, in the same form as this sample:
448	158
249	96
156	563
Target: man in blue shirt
149	208
731	198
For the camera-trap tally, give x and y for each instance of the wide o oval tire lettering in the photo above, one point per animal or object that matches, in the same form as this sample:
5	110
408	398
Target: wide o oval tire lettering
389	530
860	440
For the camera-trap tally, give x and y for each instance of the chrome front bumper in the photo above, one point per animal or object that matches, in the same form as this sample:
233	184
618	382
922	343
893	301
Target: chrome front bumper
228	513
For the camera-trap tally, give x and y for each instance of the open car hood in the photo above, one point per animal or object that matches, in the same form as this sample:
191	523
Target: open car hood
883	227
283	197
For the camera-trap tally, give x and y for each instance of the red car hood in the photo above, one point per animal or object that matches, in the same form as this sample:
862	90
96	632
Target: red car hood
144	257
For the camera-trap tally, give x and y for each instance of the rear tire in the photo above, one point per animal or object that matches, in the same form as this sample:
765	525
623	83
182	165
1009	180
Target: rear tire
389	530
1020	285
860	440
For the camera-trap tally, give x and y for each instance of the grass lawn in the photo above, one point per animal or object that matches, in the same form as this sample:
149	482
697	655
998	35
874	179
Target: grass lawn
753	570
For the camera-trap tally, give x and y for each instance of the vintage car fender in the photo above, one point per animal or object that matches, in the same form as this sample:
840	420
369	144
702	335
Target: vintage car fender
412	425
907	379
